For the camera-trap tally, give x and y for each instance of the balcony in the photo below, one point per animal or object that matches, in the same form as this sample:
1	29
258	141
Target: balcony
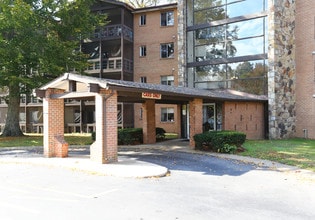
113	32
113	64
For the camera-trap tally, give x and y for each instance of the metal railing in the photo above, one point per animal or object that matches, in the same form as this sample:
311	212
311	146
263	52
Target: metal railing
113	31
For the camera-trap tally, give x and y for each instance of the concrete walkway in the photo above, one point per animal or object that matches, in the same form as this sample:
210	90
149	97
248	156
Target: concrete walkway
127	166
78	160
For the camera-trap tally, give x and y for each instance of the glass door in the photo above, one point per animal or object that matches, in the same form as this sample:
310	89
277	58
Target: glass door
209	117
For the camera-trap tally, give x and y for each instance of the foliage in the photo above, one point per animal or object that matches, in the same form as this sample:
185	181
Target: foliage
160	134
129	136
226	148
39	40
220	141
134	135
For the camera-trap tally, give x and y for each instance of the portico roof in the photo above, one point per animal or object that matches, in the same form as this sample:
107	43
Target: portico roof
80	86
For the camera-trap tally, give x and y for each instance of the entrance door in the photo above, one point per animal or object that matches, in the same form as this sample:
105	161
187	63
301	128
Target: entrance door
209	117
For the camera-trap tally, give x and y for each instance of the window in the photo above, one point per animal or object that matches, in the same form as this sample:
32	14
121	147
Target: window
167	114
167	18
167	80
142	20
221	52
167	50
143	79
143	51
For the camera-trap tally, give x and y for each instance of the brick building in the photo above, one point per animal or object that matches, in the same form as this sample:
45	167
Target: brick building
262	47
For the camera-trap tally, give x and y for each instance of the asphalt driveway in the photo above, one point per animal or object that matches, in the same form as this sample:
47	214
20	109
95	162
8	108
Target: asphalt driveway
198	187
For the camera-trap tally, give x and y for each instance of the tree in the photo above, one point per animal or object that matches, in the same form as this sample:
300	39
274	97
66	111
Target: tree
244	70
39	40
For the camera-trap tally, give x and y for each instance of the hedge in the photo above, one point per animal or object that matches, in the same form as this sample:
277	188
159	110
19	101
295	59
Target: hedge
134	135
220	141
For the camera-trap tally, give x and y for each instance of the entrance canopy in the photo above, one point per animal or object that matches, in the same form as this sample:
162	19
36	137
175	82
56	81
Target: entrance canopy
107	93
79	86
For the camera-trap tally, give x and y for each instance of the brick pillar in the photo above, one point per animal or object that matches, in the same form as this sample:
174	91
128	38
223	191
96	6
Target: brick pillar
149	134
195	120
53	110
104	149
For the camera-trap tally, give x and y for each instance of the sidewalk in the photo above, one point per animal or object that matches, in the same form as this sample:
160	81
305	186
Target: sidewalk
79	160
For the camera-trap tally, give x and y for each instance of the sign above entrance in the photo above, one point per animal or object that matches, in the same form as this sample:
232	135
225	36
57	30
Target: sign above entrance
149	95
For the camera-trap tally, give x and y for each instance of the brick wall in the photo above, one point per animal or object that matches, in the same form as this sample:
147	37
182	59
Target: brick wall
149	134
105	147
195	120
152	66
53	110
305	69
247	117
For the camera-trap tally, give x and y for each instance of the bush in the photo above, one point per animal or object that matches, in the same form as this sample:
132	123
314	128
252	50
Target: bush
134	135
130	136
160	134
93	135
220	141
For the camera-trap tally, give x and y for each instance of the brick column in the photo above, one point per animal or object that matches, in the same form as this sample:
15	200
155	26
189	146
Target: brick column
195	120
53	110
104	149
149	134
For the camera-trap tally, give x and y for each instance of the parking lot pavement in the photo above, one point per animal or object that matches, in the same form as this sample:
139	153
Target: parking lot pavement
199	186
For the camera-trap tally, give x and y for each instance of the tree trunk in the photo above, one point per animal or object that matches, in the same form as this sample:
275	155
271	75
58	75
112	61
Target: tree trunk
12	124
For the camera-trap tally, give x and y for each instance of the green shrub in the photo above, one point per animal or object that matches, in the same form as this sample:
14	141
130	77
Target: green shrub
220	141
160	134
226	148
93	135
130	136
133	135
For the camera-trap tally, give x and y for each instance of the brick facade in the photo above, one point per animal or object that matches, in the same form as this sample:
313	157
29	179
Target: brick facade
305	68
53	110
195	120
149	122
247	117
152	66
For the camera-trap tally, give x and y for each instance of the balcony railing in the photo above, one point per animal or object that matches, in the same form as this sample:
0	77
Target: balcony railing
113	64
113	31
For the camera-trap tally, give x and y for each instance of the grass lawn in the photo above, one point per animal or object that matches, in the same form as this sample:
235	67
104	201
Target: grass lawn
297	152
37	140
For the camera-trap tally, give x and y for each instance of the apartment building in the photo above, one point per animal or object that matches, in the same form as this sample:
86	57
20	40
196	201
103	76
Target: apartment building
260	47
148	45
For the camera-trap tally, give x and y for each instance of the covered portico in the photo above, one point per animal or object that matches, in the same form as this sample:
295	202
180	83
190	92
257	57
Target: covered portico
106	94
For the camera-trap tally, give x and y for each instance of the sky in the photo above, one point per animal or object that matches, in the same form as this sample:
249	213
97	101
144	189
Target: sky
163	2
